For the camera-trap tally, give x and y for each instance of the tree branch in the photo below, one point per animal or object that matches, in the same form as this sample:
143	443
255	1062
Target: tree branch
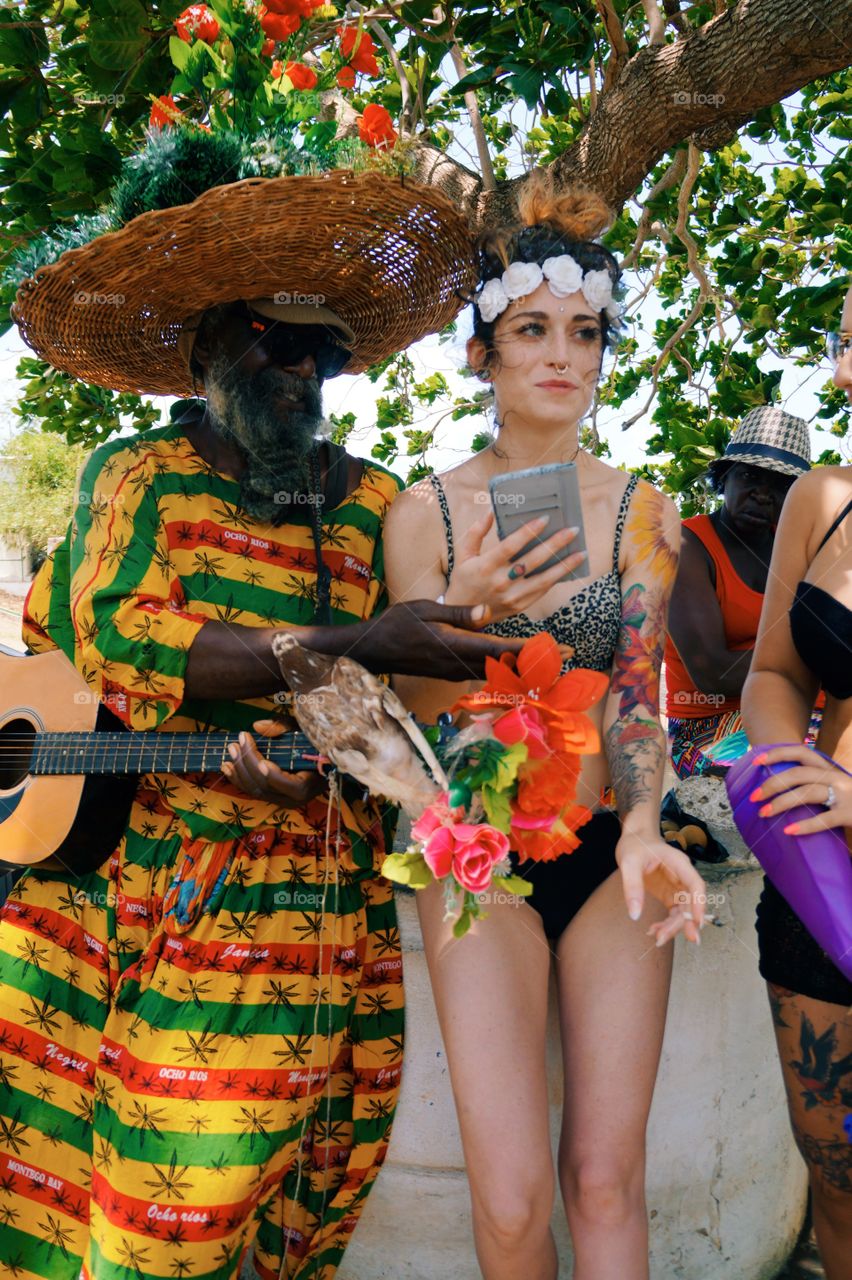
615	35
406	111
656	23
488	179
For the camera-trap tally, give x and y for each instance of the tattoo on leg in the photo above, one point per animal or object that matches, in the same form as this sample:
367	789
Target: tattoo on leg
829	1157
776	998
824	1078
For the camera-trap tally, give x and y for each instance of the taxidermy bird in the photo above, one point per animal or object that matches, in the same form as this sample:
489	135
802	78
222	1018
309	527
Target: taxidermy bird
360	724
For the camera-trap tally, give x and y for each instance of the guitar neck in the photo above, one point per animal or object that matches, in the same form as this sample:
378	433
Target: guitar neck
123	752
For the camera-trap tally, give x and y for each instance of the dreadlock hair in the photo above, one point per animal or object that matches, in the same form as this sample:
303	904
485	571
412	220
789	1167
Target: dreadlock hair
551	223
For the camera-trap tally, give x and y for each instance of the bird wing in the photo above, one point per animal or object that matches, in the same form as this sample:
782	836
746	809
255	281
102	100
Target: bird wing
379	701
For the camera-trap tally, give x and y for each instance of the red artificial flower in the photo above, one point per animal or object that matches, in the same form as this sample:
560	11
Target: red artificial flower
358	50
267	48
159	118
346	78
375	127
279	26
197	23
300	76
543	846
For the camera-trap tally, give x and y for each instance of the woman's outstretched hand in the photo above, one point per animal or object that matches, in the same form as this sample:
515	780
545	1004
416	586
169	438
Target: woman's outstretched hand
494	577
812	780
649	865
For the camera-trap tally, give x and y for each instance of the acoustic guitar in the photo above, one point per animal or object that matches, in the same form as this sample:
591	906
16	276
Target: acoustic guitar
69	768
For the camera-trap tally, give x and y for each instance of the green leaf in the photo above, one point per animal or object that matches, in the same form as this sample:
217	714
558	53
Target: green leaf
498	809
408	868
116	39
513	884
463	923
474	79
178	52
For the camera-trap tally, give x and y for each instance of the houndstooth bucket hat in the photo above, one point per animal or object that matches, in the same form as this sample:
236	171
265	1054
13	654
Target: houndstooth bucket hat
768	437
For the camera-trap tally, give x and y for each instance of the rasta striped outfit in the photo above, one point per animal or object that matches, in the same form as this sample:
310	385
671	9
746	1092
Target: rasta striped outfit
200	1041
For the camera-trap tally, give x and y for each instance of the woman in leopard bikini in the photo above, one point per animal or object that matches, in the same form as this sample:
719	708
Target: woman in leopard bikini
542	320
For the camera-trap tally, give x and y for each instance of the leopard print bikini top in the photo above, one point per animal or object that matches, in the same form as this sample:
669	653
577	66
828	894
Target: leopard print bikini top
591	619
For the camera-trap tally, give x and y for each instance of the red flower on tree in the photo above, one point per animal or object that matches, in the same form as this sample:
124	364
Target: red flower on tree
300	76
279	26
160	118
295	8
358	49
197	23
375	127
346	78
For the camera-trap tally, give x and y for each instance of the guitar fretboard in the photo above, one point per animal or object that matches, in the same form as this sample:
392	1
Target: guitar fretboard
111	753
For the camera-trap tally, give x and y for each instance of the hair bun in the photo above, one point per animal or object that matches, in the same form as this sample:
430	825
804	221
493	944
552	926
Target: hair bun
576	213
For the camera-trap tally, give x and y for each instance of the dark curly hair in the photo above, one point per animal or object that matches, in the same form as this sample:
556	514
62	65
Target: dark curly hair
550	224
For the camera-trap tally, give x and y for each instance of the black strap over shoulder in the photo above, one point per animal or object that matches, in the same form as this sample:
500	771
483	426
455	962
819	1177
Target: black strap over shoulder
835	524
337	479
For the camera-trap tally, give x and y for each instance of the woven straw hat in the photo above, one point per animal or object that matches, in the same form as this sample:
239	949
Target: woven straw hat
393	260
768	437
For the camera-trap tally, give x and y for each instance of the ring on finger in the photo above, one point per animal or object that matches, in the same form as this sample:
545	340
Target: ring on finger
517	570
831	797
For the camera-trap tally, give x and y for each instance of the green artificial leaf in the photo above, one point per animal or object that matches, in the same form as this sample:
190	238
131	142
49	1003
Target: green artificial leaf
409	868
513	884
463	923
498	809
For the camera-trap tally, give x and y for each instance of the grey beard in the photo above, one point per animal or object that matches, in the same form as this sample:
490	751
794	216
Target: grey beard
246	412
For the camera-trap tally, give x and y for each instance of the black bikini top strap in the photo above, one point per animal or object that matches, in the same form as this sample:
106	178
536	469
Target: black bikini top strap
835	524
620	519
448	524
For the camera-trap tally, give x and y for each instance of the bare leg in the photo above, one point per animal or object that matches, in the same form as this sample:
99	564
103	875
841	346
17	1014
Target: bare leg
815	1046
491	995
613	993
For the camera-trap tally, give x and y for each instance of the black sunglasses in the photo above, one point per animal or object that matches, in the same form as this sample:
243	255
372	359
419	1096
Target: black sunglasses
288	344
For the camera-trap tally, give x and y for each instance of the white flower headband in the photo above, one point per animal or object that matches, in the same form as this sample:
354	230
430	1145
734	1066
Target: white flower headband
563	274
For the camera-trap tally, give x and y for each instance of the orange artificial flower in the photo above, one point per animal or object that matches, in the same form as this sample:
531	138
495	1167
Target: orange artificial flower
532	678
160	118
346	78
544	785
375	127
359	50
544	846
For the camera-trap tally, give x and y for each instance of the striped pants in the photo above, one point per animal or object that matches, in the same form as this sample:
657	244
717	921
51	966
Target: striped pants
172	1096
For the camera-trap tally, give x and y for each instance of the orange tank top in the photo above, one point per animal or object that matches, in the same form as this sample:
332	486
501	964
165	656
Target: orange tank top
740	608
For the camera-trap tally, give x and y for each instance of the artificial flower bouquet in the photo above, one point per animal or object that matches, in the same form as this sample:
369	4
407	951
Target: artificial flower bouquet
513	773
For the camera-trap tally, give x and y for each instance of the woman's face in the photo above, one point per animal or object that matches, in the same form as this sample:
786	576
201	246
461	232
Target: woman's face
843	368
548	358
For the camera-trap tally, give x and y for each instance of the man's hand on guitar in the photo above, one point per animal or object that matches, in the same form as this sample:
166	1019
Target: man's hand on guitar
261	778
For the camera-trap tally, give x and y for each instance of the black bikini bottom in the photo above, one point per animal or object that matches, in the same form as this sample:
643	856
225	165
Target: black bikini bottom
562	886
791	958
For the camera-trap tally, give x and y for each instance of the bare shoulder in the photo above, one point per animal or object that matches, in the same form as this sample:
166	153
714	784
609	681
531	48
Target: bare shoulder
813	502
415	508
652	510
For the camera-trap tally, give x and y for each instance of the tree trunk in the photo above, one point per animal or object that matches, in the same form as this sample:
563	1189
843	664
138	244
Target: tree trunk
705	86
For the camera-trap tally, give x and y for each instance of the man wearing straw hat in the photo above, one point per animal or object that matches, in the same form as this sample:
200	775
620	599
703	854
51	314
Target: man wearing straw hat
202	1037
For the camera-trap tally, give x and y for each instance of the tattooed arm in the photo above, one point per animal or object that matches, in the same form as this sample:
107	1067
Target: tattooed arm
633	736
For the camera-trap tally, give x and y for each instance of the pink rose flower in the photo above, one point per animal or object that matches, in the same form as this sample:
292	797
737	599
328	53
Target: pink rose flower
469	850
439	814
523	724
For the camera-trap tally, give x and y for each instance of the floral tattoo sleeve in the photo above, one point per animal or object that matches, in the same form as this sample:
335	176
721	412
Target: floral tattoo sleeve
634	740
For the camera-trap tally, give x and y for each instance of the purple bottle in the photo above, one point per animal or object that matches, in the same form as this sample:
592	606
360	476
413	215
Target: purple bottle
813	872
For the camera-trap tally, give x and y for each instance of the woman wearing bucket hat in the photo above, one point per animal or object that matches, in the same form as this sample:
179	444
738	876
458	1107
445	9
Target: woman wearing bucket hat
718	594
193	1026
805	643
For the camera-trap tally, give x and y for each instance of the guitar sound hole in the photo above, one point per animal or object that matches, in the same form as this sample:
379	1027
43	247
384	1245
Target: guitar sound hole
16	749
